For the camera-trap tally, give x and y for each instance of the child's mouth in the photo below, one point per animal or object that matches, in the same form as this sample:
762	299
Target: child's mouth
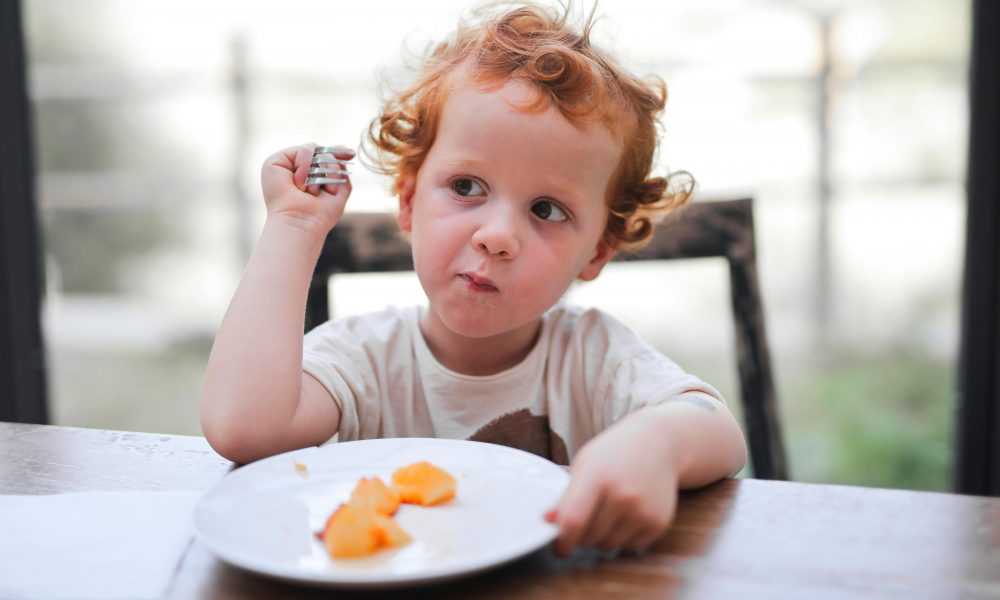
477	284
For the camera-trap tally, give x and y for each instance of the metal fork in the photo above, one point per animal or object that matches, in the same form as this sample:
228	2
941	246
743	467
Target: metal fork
320	173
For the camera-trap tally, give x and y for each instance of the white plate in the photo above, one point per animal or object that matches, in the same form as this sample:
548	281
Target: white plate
264	516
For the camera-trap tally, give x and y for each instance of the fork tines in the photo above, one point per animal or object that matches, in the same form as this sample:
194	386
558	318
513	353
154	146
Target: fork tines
321	174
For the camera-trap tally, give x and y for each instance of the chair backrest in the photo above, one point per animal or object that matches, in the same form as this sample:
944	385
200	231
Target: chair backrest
371	242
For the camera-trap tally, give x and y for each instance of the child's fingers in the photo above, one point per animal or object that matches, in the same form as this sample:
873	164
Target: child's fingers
602	523
284	158
622	536
302	162
644	539
574	513
281	170
650	530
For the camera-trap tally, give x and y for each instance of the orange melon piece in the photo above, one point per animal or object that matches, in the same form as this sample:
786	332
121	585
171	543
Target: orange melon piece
373	494
390	534
351	532
423	483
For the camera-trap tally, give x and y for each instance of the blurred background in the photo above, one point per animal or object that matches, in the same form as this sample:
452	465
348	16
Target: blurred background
846	120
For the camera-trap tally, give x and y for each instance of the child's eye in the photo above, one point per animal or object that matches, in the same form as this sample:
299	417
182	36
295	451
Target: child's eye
548	211
467	187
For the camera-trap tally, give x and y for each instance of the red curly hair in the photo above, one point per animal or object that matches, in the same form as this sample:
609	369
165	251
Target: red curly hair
530	43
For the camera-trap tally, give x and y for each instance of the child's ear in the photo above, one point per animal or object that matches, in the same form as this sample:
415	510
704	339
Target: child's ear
407	186
603	253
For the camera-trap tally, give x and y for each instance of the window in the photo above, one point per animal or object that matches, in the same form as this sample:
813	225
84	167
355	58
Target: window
848	128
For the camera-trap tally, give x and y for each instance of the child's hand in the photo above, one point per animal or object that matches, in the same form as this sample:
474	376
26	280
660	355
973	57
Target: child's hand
622	494
313	208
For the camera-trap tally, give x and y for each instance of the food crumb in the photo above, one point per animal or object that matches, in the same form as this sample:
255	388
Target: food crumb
301	469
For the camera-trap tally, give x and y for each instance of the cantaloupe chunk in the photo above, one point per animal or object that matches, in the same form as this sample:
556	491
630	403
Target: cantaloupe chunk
390	534
364	524
423	483
351	532
373	494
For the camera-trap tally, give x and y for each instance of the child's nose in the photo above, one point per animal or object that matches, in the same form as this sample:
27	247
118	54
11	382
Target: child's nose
498	234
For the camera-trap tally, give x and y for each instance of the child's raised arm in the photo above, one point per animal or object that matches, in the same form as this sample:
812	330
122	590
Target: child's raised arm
257	400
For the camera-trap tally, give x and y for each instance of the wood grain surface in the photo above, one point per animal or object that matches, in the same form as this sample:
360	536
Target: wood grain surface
44	459
736	539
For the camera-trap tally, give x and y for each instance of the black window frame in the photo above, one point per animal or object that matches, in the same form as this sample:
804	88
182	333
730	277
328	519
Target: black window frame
22	355
977	446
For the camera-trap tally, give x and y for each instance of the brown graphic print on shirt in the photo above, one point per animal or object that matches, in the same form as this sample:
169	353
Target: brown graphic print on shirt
522	430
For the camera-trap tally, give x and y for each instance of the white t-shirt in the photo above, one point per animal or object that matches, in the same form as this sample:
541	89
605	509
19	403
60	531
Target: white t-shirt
586	371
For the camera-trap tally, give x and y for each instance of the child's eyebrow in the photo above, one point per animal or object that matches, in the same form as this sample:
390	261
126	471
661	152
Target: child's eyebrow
463	162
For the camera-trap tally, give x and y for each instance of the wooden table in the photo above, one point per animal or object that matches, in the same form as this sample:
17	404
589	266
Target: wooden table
735	539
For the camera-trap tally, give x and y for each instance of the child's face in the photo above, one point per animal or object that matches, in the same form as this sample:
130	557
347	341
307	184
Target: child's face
507	210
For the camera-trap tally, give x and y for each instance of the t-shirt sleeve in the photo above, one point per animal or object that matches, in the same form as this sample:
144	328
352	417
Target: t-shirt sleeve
648	379
335	354
630	374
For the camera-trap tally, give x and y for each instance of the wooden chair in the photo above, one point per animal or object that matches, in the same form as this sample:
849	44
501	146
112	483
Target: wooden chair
371	242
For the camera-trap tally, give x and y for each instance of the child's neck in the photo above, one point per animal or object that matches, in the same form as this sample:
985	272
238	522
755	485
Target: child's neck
477	356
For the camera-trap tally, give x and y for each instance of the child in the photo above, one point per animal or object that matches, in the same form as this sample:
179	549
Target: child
521	160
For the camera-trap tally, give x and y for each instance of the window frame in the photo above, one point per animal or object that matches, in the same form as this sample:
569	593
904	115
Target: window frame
977	423
22	355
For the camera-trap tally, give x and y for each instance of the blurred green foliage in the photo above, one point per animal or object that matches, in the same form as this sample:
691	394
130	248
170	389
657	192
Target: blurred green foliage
107	136
93	249
126	390
873	419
